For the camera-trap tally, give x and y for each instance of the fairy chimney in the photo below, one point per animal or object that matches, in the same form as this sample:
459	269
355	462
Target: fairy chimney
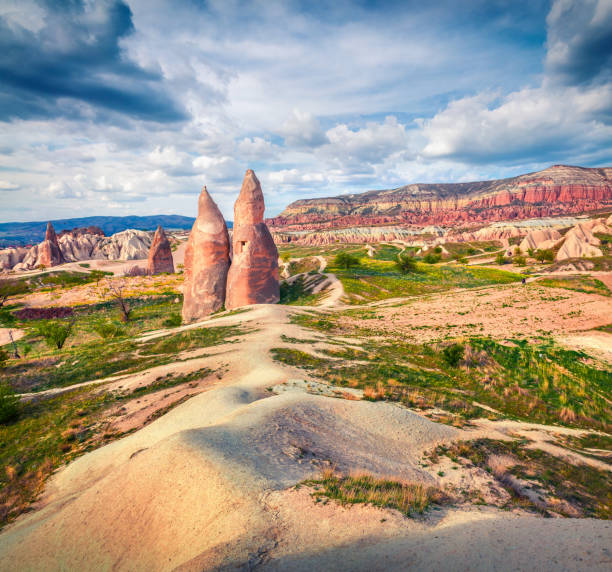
160	254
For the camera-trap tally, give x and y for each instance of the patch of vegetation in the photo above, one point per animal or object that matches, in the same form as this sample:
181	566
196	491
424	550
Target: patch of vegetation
541	383
567	488
298	292
303	266
346	260
579	283
408	498
379	280
51	313
173	321
55	333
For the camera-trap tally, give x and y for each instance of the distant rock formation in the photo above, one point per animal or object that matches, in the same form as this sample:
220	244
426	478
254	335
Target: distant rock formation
126	245
160	254
81	231
206	261
540	239
10	257
253	275
580	242
49	253
558	190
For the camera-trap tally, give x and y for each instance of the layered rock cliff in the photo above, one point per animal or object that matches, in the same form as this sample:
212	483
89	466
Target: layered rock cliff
558	190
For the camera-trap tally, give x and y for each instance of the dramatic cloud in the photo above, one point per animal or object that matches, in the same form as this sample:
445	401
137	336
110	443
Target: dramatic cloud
130	106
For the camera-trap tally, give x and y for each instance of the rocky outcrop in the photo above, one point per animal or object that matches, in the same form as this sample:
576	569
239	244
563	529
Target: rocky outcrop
253	275
127	245
160	254
81	231
49	253
371	234
78	246
45	254
206	261
540	239
10	257
558	190
580	242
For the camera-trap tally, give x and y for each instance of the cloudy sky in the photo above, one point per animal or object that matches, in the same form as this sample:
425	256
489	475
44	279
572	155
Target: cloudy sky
130	106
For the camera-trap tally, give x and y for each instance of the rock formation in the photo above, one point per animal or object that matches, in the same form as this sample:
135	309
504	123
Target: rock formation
160	254
206	261
540	239
49	253
253	275
580	242
126	245
558	190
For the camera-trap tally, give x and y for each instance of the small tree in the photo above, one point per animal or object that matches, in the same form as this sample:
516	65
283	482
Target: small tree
116	292
10	288
545	255
519	260
405	264
97	275
500	258
346	260
55	332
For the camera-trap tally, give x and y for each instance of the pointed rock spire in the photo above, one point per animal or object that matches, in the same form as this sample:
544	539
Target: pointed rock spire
206	261
49	252
160	254
253	275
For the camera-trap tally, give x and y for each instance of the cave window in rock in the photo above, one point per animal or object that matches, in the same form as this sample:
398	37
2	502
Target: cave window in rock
241	245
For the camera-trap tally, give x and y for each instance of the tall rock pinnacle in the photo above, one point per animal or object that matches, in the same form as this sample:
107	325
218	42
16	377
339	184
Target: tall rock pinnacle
49	253
160	254
206	261
253	275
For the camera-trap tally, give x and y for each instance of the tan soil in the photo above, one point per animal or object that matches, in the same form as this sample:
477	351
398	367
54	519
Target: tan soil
500	311
5	338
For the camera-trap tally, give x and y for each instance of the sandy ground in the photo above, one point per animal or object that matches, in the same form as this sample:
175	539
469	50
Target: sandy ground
209	486
5	338
499	311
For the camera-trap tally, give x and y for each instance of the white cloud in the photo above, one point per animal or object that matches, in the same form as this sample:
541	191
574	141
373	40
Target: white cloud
302	129
8	186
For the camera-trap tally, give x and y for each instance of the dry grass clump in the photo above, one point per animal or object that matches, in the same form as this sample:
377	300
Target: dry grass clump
375	393
408	498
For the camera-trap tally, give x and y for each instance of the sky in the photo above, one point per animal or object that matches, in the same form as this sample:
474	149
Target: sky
117	107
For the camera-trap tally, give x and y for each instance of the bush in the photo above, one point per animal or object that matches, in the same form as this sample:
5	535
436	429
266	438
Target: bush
346	260
44	313
519	260
544	255
432	258
438	250
9	404
292	292
108	330
173	321
55	333
405	264
501	259
136	271
453	354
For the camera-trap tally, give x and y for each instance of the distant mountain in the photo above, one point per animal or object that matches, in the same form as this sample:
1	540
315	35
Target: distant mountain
558	190
21	233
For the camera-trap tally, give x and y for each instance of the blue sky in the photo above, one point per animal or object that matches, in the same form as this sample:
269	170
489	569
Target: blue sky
128	107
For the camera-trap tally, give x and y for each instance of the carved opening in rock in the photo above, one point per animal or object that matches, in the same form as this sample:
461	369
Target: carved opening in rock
241	245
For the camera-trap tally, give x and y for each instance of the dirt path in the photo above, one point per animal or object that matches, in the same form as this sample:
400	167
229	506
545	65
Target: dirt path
209	485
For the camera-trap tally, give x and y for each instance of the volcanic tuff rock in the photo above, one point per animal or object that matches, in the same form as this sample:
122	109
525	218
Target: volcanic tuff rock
206	261
557	190
542	239
253	275
127	245
47	253
160	254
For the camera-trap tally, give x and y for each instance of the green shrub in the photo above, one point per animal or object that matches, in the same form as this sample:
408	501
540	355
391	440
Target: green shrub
55	333
10	288
108	330
9	403
546	255
519	260
405	264
432	258
346	260
500	258
453	354
173	321
438	250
